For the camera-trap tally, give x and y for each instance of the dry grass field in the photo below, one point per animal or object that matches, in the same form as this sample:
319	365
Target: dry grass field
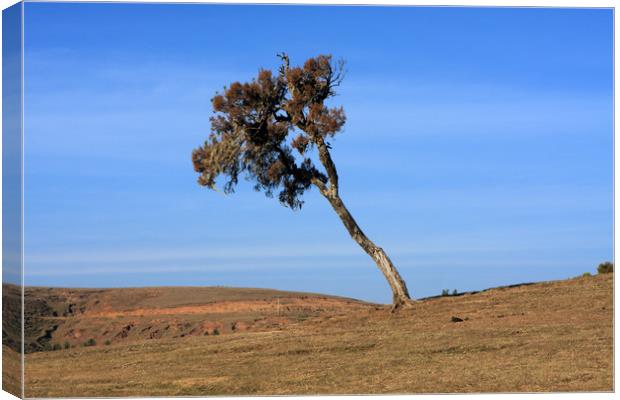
550	336
11	371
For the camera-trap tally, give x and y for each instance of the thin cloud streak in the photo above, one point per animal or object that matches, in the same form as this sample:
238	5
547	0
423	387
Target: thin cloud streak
273	255
494	263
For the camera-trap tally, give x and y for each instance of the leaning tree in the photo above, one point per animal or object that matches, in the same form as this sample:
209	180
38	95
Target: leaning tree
270	128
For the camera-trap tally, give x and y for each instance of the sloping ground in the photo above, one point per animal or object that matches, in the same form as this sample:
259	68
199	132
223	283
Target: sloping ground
11	316
11	336
553	336
11	371
60	317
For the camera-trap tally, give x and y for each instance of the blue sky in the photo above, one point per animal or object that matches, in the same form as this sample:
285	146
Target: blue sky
477	151
11	144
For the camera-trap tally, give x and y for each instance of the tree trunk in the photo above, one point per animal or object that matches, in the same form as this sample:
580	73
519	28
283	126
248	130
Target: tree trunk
400	294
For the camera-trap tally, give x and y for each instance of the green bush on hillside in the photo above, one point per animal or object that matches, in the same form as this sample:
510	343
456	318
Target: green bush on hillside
605	268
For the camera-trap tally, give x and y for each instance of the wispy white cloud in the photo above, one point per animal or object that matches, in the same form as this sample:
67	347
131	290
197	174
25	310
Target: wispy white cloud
347	266
454	245
180	254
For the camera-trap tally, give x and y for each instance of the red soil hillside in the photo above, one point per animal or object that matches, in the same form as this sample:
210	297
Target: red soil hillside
71	317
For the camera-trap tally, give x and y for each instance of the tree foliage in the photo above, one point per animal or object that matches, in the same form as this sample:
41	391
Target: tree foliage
605	267
268	129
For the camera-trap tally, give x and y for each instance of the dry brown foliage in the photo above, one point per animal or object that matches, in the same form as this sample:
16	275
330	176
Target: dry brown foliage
267	128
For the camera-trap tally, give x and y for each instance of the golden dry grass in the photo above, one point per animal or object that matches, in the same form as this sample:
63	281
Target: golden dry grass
555	336
11	371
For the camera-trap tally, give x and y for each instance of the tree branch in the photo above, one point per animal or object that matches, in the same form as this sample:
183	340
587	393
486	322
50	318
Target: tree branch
321	186
328	163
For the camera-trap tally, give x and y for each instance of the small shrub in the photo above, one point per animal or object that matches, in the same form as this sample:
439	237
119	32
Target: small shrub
605	268
90	342
302	316
67	345
445	292
586	274
454	292
216	332
56	347
107	342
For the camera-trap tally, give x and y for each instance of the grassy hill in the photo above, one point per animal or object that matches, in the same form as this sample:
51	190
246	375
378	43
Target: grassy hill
550	336
71	317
